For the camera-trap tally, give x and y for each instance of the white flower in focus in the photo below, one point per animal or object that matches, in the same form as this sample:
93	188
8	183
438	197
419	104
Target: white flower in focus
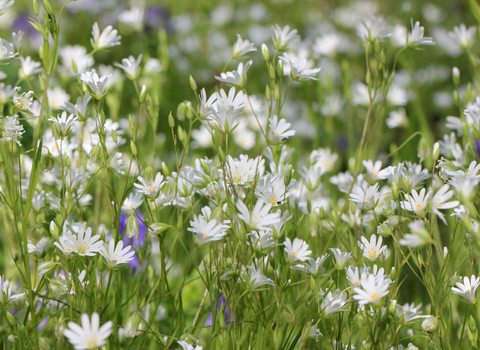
237	77
64	124
465	36
23	101
97	86
84	244
417	202
132	202
468	288
6	289
310	265
11	129
368	196
242	171
259	218
256	278
117	255
372	290
439	201
373	249
150	187
334	302
340	257
283	36
279	129
227	109
130	66
298	250
133	17
90	335
29	67
208	229
272	191
242	47
374	170
108	38
415	37
299	67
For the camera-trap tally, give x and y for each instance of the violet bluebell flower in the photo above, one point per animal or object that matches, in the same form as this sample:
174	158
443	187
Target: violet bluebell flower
43	323
156	16
477	148
221	301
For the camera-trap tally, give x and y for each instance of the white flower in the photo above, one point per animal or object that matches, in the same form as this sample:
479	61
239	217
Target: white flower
354	274
83	245
366	195
283	36
90	335
256	278
465	36
333	303
133	17
4	5
29	67
97	86
23	101
374	170
64	124
75	54
208	229
262	241
6	289
186	346
242	172
117	255
150	187
373	28
132	202
227	109
279	129
397	118
340	258
7	50
373	249
468	288
298	250
299	67
311	176
408	312
242	47
374	288
415	37
11	129
439	201
237	77
108	38
259	218
79	109
130	66
272	191
116	163
417	202
419	236
310	265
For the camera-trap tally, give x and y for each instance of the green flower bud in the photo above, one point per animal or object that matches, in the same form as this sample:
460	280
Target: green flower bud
171	121
132	227
193	84
456	76
48	162
430	324
36	9
47	6
265	52
143	94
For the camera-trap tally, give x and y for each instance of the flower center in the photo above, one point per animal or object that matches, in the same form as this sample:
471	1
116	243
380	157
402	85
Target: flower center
372	253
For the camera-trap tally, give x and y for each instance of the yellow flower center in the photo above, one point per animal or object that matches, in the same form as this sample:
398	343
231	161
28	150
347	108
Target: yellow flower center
372	253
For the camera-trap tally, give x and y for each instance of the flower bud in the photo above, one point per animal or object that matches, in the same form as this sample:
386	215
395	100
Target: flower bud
36	9
268	93
114	136
436	151
48	162
132	227
165	169
143	94
430	324
53	230
171	121
265	52
157	228
133	147
456	76
47	6
193	84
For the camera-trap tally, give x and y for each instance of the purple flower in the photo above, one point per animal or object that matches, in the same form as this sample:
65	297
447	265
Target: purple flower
43	323
221	301
477	148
